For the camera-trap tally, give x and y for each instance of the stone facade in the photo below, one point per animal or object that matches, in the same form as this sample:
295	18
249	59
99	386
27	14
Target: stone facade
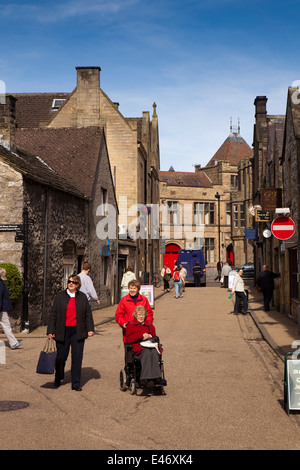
276	166
11	210
62	178
221	190
133	148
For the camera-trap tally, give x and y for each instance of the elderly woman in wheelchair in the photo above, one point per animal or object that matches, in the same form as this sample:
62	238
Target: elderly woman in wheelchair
143	358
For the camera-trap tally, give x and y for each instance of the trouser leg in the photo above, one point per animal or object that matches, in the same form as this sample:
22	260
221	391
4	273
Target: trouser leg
5	323
61	358
76	359
176	284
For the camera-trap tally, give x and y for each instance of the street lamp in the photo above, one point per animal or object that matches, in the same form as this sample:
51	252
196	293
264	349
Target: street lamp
218	196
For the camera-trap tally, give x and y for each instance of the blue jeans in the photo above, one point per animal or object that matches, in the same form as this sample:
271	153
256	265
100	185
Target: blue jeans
178	288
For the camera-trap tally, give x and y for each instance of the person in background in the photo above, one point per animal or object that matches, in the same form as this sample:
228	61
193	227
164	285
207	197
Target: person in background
70	322
166	275
5	307
265	281
177	282
183	273
87	286
128	276
225	273
219	269
238	288
197	272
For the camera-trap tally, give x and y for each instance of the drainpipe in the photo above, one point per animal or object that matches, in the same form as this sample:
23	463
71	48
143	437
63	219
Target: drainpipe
45	254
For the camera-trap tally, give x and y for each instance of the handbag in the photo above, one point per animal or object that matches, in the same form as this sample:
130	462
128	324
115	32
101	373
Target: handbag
46	362
167	277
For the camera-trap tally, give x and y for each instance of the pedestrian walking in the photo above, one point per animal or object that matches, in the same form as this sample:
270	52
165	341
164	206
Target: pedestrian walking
177	283
70	322
87	286
166	275
225	273
183	273
238	288
265	281
197	272
127	276
219	269
5	307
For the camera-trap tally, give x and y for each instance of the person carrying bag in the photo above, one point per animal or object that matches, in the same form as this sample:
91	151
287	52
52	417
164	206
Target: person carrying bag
46	362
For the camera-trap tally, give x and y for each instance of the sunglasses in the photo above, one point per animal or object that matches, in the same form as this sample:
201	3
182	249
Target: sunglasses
72	282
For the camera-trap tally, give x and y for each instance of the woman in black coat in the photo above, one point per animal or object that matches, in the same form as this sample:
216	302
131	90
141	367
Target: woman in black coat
70	323
5	307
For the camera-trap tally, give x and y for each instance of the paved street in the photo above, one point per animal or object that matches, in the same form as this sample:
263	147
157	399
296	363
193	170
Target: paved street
224	388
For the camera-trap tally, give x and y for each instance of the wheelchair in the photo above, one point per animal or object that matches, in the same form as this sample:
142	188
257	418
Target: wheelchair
130	374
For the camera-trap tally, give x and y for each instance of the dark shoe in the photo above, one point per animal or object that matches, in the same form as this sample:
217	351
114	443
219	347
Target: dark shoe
160	381
57	383
77	389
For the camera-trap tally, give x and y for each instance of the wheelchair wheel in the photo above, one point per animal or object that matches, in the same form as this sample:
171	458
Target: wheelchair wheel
132	387
123	380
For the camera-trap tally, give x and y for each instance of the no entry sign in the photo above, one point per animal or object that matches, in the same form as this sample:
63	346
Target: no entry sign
283	227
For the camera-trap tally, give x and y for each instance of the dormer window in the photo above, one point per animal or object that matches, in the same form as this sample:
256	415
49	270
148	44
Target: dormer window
56	104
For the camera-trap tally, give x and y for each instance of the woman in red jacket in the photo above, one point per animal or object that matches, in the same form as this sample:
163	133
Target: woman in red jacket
138	330
127	305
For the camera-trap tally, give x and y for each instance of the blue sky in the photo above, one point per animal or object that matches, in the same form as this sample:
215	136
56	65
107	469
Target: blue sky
201	61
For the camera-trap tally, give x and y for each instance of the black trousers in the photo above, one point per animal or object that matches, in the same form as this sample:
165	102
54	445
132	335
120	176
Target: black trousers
197	278
238	297
268	294
63	349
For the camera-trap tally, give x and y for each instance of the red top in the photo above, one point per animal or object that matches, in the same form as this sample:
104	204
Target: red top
126	308
134	333
71	313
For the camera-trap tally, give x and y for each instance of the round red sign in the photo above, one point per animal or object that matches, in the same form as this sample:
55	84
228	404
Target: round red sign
283	227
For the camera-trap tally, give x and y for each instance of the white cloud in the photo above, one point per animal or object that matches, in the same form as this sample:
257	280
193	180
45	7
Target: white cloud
55	12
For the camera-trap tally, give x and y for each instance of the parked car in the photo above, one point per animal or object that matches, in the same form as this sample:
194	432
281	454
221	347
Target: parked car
248	269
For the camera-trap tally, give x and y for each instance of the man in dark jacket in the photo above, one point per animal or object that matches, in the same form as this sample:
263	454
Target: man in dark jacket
265	281
197	272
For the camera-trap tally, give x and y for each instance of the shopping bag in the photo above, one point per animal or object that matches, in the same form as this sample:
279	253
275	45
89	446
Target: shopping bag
46	362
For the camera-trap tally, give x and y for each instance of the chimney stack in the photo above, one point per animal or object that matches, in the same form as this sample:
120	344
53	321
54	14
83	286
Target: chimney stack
260	104
88	96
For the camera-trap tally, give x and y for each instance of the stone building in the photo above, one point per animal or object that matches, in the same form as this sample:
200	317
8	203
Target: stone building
59	176
210	204
290	294
276	169
133	148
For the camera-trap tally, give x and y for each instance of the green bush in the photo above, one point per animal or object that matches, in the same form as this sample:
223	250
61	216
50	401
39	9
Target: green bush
13	282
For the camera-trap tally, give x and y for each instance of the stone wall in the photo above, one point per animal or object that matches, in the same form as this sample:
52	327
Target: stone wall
56	217
11	212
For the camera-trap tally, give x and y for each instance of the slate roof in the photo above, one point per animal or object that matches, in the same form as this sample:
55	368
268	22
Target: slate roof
35	109
72	152
233	150
181	178
36	169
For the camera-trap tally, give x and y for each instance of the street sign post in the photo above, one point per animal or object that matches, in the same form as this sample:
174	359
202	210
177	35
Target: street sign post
283	228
